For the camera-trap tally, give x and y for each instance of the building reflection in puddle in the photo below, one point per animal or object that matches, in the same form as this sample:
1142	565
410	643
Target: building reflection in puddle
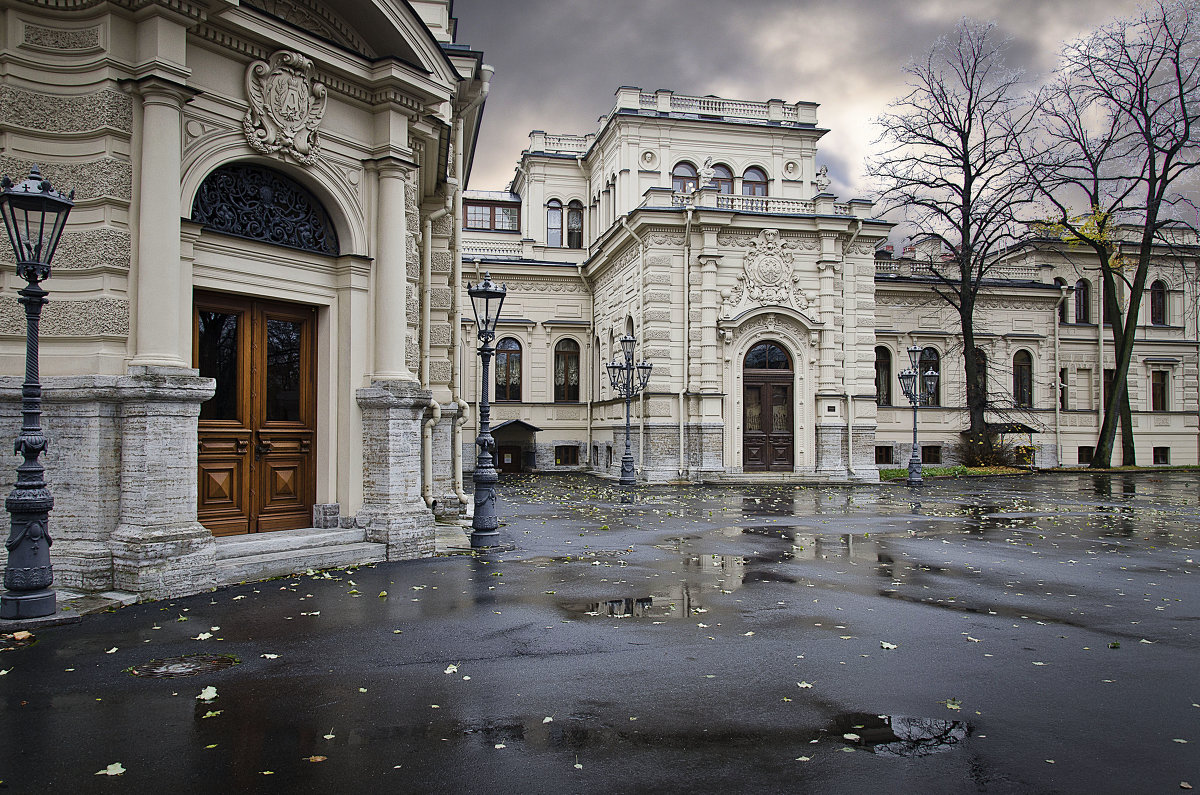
900	735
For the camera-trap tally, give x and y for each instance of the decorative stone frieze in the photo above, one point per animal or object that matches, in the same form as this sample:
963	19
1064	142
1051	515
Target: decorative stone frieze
64	318
315	18
286	107
70	113
54	38
105	177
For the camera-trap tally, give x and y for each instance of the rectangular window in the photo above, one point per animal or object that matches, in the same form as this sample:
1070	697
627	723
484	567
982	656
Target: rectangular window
1084	454
1062	389
1084	389
566	455
1162	455
496	217
931	454
883	454
1158	390
508	219
479	216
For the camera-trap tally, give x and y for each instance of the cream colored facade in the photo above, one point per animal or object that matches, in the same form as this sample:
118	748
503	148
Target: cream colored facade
681	268
700	277
364	110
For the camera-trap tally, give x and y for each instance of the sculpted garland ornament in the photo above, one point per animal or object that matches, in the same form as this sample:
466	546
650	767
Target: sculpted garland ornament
286	107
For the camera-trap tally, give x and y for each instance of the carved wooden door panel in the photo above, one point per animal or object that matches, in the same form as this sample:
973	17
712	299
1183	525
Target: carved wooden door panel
768	429
256	457
780	432
754	432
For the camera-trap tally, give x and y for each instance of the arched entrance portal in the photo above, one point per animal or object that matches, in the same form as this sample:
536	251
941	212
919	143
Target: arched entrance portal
257	456
768	429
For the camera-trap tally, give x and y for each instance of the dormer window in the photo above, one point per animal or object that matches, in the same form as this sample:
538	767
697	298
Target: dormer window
492	217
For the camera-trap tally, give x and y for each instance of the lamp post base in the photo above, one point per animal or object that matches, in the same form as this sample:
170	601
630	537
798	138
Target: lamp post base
628	473
491	541
914	472
34	604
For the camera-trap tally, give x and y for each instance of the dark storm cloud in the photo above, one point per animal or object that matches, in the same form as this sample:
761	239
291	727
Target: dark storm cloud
558	62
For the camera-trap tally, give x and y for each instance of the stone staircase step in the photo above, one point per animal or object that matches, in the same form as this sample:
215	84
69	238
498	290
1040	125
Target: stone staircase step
284	541
265	565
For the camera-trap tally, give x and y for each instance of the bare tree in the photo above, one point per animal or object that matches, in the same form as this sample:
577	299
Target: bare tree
950	163
1121	136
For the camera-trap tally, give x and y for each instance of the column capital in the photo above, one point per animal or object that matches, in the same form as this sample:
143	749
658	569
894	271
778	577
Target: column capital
391	167
156	89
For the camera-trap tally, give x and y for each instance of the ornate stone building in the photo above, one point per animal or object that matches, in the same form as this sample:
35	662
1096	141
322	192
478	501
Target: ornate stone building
234	337
703	227
775	316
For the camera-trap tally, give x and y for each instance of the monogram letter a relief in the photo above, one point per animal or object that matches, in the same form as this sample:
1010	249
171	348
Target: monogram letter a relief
286	107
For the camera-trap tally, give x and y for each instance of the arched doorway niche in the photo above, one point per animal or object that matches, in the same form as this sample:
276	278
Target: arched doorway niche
793	338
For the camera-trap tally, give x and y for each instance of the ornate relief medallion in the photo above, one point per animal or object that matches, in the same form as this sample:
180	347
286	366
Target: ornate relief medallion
769	278
286	107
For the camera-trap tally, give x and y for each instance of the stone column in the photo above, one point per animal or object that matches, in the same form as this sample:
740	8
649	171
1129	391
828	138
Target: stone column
391	274
164	292
393	512
159	549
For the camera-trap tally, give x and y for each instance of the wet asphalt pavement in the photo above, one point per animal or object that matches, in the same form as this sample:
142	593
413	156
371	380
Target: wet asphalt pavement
994	635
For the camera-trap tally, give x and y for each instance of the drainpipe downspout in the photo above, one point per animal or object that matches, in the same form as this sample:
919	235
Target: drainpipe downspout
687	311
858	225
1062	296
591	373
642	315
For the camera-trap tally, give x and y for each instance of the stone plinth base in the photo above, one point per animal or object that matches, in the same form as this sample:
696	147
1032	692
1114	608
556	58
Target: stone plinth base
161	562
393	511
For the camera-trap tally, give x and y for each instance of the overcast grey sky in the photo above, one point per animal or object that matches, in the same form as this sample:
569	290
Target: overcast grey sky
558	62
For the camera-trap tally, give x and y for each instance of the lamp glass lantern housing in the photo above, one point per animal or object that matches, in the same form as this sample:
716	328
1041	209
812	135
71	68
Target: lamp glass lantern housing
931	381
34	216
914	357
627	344
643	370
486	299
908	382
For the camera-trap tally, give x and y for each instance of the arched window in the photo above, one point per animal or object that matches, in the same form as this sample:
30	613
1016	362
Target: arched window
1158	303
683	178
723	178
883	376
754	182
508	369
1060	282
254	202
554	224
931	360
566	371
575	225
1023	379
981	371
1083	299
767	356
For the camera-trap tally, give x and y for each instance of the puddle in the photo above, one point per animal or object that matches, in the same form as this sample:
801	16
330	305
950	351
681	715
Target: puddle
900	735
619	608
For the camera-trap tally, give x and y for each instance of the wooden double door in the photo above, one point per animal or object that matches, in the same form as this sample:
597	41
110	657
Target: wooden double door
257	434
768	427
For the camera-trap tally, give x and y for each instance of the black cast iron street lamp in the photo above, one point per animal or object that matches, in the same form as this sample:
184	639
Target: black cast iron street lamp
34	216
628	379
918	389
486	300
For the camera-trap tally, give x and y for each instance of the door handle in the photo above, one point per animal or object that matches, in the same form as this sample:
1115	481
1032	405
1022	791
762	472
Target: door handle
261	449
